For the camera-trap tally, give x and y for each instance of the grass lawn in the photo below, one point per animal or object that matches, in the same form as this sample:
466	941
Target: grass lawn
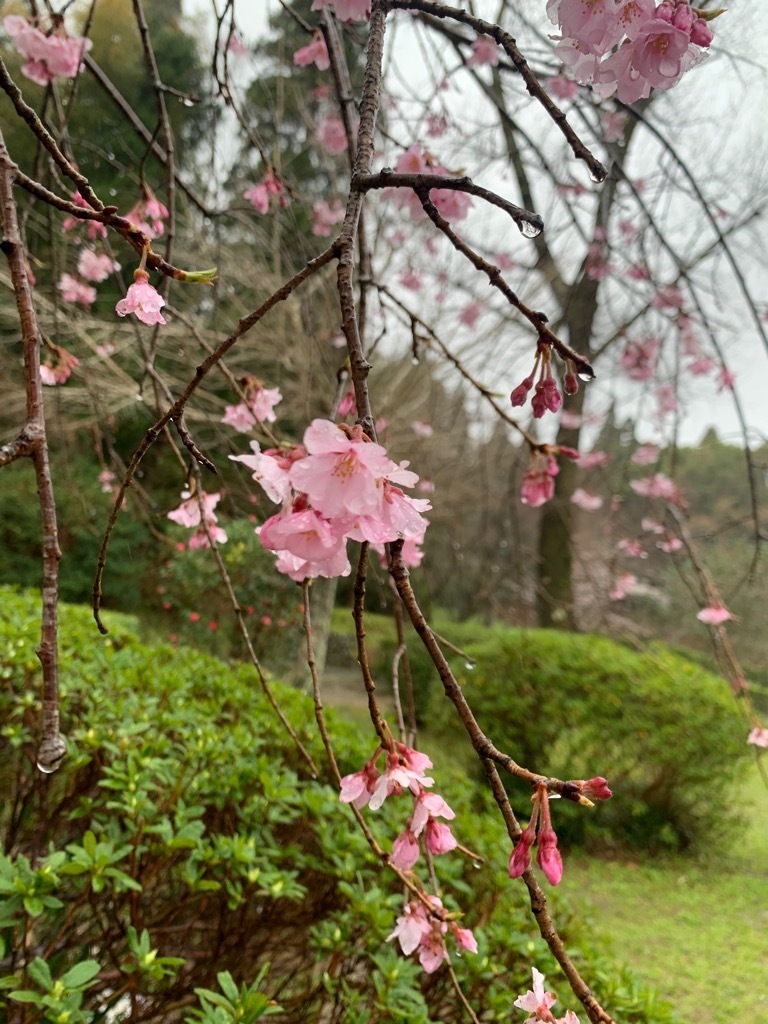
696	930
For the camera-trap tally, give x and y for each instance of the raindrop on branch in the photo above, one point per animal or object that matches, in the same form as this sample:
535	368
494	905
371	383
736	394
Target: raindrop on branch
531	228
586	375
598	173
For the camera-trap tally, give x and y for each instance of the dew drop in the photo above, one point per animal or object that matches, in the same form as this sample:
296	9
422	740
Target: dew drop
598	173
531	228
186	101
470	666
586	375
415	361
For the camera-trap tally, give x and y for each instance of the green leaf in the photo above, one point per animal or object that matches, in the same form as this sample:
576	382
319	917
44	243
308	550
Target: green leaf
228	986
33	906
79	975
25	996
40	973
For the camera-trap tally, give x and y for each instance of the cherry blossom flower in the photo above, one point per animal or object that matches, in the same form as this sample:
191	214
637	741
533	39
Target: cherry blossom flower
315	53
48	56
657	486
405	851
536	1001
758	736
94	229
631	548
94	266
325	215
143	300
595	789
149	214
422	429
670	546
539	480
348	404
271	469
484	51
622	585
450	203
398	777
562	87
586	501
357	789
59	373
107	481
346	10
651	525
412	280
645	455
725	380
638	359
73	290
713	615
332	135
188	513
590	460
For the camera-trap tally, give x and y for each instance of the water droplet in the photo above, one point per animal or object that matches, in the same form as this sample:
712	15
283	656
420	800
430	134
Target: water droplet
586	375
415	360
531	228
598	173
477	864
186	101
470	665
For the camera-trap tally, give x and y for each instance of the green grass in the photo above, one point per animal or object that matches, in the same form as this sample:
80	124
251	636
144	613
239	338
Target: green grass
697	931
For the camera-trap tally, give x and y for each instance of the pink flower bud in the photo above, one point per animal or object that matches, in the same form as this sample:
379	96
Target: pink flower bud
570	383
440	839
520	858
701	33
596	788
683	18
548	856
539	401
520	394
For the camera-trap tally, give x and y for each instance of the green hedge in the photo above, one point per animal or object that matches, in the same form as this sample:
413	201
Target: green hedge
185	864
667	734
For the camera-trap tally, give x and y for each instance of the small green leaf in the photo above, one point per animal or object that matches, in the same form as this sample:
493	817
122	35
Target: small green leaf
40	973
81	974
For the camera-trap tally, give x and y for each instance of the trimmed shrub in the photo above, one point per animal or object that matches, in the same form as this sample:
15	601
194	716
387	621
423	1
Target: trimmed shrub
666	733
184	862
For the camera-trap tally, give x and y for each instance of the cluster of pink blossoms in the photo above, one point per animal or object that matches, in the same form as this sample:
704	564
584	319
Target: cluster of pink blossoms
269	186
539	481
47	56
188	514
451	204
60	371
538	1003
546	394
326	215
148	214
658	44
337	486
419	927
258	407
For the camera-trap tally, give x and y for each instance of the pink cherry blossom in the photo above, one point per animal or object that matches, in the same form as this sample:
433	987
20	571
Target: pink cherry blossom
725	380
331	134
713	615
325	215
346	10
631	548
440	839
657	486
306	533
47	56
464	937
411	927
73	290
315	53
94	229
758	736
484	51
592	25
548	856
536	1001
638	361
670	546
107	481
590	460
595	789
645	455
651	525
562	87
94	266
240	417
452	204
189	514
622	585
357	789
586	501
148	214
405	851
539	480
143	300
271	469
422	429
258	197
412	280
